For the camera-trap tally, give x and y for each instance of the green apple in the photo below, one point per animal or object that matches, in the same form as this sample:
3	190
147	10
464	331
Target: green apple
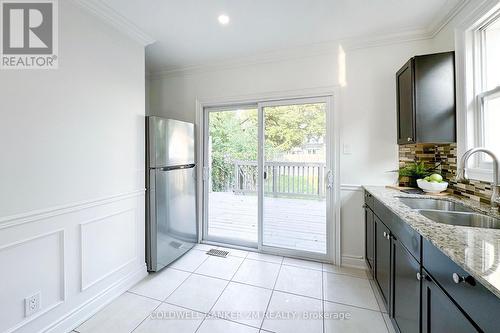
427	178
436	177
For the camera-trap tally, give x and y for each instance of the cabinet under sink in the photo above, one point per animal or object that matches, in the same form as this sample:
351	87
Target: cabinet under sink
422	289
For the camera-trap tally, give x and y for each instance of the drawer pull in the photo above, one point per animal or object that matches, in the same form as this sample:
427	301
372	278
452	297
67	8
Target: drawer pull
460	279
422	276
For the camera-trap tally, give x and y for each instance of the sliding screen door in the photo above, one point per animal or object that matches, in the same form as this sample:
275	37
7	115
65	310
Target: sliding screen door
295	176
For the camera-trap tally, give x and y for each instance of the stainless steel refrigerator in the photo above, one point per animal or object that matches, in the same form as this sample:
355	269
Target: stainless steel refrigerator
171	227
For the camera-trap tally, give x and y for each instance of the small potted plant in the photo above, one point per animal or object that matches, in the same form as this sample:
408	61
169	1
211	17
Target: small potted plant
413	171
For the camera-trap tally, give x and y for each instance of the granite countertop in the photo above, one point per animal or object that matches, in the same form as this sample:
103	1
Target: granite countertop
476	250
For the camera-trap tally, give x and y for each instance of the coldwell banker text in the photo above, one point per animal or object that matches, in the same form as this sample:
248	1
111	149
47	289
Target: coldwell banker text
29	34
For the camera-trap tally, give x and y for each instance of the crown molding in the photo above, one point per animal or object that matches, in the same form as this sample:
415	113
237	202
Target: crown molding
358	43
442	20
306	51
116	20
302	52
299	52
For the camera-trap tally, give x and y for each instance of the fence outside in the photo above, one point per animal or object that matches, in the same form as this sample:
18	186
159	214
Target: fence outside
281	178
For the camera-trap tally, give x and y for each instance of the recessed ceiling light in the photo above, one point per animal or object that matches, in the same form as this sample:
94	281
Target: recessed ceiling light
223	19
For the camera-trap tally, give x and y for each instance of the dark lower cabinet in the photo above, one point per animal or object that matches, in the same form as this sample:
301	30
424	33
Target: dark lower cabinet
383	259
406	286
439	313
370	239
422	288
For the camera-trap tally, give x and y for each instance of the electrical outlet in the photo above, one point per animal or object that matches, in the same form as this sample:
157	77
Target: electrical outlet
32	304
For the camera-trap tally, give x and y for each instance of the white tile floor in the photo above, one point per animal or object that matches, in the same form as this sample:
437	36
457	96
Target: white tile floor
247	293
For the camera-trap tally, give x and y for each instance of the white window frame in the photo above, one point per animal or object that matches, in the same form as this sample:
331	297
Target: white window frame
481	98
469	42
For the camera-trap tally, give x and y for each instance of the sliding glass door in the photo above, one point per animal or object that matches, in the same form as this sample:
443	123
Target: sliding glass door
231	187
267	176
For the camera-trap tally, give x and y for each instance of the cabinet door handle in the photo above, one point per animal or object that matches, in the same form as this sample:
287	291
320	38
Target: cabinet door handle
419	276
457	278
460	279
386	235
409	139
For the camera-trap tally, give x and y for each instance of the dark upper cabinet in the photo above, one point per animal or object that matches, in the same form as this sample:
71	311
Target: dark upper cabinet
426	99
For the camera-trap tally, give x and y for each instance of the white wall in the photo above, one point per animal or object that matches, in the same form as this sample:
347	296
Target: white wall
367	112
368	125
175	96
72	176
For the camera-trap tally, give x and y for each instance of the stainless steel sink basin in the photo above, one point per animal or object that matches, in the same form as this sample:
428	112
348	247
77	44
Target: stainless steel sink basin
461	219
434	204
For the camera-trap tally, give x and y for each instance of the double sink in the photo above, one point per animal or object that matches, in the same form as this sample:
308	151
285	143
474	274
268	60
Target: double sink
448	212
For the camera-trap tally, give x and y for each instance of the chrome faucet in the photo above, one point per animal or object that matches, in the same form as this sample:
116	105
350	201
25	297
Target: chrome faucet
461	174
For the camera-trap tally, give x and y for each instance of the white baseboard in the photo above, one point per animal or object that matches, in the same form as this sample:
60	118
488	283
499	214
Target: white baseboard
352	261
95	304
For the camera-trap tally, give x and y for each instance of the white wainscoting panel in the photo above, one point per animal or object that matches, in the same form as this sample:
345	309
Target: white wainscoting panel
112	239
79	256
29	266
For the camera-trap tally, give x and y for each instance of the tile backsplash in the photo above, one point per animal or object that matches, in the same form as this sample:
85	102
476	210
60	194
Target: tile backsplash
444	158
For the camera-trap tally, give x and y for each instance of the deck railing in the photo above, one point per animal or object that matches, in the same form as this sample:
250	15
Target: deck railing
281	178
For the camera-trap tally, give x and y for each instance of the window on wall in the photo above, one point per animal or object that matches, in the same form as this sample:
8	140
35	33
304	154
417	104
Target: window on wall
487	88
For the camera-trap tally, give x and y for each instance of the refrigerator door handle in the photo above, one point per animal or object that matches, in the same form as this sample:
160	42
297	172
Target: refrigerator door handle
178	167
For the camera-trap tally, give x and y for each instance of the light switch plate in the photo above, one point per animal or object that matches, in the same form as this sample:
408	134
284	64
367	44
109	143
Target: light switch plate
347	149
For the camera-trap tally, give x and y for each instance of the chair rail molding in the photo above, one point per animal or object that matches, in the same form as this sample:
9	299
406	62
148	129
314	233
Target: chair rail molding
41	214
351	187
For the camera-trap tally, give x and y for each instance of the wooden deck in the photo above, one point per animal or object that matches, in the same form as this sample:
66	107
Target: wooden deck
290	223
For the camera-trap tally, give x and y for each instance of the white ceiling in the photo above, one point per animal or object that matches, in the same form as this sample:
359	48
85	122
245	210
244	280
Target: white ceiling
187	32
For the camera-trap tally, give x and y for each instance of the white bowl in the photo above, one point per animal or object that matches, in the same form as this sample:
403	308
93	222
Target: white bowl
432	187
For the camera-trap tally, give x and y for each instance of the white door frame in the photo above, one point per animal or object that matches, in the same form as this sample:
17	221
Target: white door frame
331	94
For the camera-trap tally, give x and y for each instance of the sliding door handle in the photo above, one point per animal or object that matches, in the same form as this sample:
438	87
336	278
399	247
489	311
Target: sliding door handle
330	179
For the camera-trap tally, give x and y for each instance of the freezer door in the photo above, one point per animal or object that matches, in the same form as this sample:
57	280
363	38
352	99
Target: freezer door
170	142
172	222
